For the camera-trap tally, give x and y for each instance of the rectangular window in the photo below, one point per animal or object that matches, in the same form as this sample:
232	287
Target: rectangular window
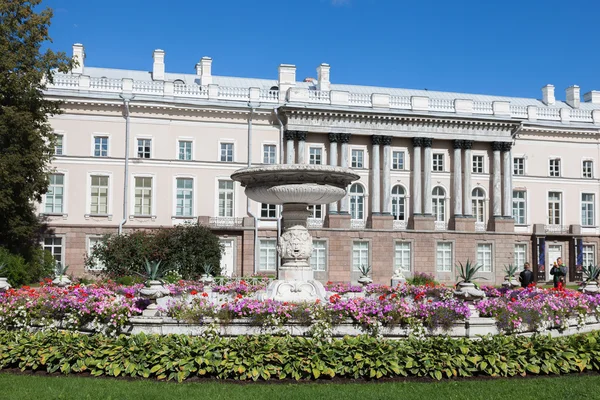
589	255
185	150
100	146
519	207
54	245
269	154
402	256
99	192
268	254
360	255
58	145
92	242
478	164
315	155
358	158
554	208
588	169
554	167
520	255
444	257
143	196
268	210
587	209
227	152
518	166
225	198
184	206
55	194
316	211
438	162
398	160
484	256
318	258
144	147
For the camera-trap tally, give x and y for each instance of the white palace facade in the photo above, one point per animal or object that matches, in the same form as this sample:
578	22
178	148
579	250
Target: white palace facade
445	177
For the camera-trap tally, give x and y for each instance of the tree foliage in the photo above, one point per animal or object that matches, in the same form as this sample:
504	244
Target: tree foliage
26	138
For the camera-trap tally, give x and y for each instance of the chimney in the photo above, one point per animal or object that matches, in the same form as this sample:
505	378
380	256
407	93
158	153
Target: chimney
158	67
203	70
573	96
78	57
287	78
323	77
592	97
548	95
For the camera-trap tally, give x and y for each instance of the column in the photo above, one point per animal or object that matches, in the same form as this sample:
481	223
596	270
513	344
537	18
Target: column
417	142
387	180
301	136
467	206
289	136
333	159
497	205
376	175
457	178
507	183
344	138
427	206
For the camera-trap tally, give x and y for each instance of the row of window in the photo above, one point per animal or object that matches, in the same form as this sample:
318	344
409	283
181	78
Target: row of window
555	208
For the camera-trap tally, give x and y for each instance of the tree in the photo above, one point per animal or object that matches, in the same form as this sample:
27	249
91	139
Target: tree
26	138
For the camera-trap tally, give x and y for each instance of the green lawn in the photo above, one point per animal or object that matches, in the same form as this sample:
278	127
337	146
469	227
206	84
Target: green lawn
16	387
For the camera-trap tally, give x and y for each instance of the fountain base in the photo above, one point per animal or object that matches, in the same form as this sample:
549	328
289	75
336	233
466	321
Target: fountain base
294	291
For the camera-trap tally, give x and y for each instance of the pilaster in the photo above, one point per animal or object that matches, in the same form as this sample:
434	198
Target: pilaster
416	175
467	207
376	140
497	199
344	138
289	137
427	205
387	190
301	137
333	159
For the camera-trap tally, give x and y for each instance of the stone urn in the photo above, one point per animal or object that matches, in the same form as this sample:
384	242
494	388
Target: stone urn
467	291
61	281
510	282
365	280
153	290
4	285
590	287
207	280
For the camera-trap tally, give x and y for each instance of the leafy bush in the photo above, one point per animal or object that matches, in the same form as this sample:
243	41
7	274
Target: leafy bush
422	279
19	272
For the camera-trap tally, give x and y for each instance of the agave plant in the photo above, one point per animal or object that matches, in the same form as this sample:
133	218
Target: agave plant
153	270
590	273
364	270
467	272
208	269
60	270
510	270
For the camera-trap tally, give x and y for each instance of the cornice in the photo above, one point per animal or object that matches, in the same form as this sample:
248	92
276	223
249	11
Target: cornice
559	130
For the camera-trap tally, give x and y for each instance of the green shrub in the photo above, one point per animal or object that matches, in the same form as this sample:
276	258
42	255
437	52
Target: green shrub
128	280
19	272
421	279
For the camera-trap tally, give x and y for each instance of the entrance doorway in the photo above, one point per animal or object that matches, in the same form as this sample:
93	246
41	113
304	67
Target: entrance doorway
228	256
554	251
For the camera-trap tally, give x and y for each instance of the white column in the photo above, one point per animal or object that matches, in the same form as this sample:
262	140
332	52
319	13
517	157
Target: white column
467	207
344	138
457	178
427	205
301	136
417	142
376	175
333	157
507	181
387	182
289	136
497	205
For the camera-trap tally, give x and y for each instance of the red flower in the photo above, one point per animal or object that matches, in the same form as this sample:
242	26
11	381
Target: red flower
129	295
239	296
204	294
194	292
382	297
513	299
393	296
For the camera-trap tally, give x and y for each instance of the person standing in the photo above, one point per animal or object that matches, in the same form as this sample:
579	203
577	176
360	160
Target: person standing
559	273
526	276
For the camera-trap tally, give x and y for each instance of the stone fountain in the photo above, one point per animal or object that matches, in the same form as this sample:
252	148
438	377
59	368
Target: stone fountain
295	186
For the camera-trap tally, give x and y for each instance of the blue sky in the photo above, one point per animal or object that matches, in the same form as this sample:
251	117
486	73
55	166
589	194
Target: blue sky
510	47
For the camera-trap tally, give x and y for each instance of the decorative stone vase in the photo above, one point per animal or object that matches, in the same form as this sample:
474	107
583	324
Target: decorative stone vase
61	281
590	287
510	282
365	280
467	291
4	285
207	280
154	290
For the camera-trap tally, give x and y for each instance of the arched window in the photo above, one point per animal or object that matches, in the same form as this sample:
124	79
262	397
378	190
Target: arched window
399	203
439	203
478	201
357	201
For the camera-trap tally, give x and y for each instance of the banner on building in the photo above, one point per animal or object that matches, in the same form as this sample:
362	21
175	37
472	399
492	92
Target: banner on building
541	261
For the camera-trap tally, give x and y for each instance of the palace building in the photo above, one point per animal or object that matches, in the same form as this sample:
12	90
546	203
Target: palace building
445	177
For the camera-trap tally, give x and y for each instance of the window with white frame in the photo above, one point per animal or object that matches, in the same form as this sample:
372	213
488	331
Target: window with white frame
587	209
477	164
554	208
554	167
360	255
399	203
519	206
398	160
484	256
100	146
438	162
268	210
316	211
438	198
358	157
518	166
444	257
402	256
184	197
93	241
99	195
267	256
318	258
520	255
315	155
478	202
54	245
54	203
269	154
226	152
144	148
185	150
225	198
58	144
357	202
589	255
143	196
587	169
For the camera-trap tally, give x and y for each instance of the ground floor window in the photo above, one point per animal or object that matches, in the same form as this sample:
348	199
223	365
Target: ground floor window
589	255
268	254
54	244
520	255
360	255
318	258
92	241
444	257
484	256
402	256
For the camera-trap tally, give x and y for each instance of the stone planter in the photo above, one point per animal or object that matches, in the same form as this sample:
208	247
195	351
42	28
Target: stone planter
590	287
468	292
365	280
207	280
510	282
61	281
4	285
153	290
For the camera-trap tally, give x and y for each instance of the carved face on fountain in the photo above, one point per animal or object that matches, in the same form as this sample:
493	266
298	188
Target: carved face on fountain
295	243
